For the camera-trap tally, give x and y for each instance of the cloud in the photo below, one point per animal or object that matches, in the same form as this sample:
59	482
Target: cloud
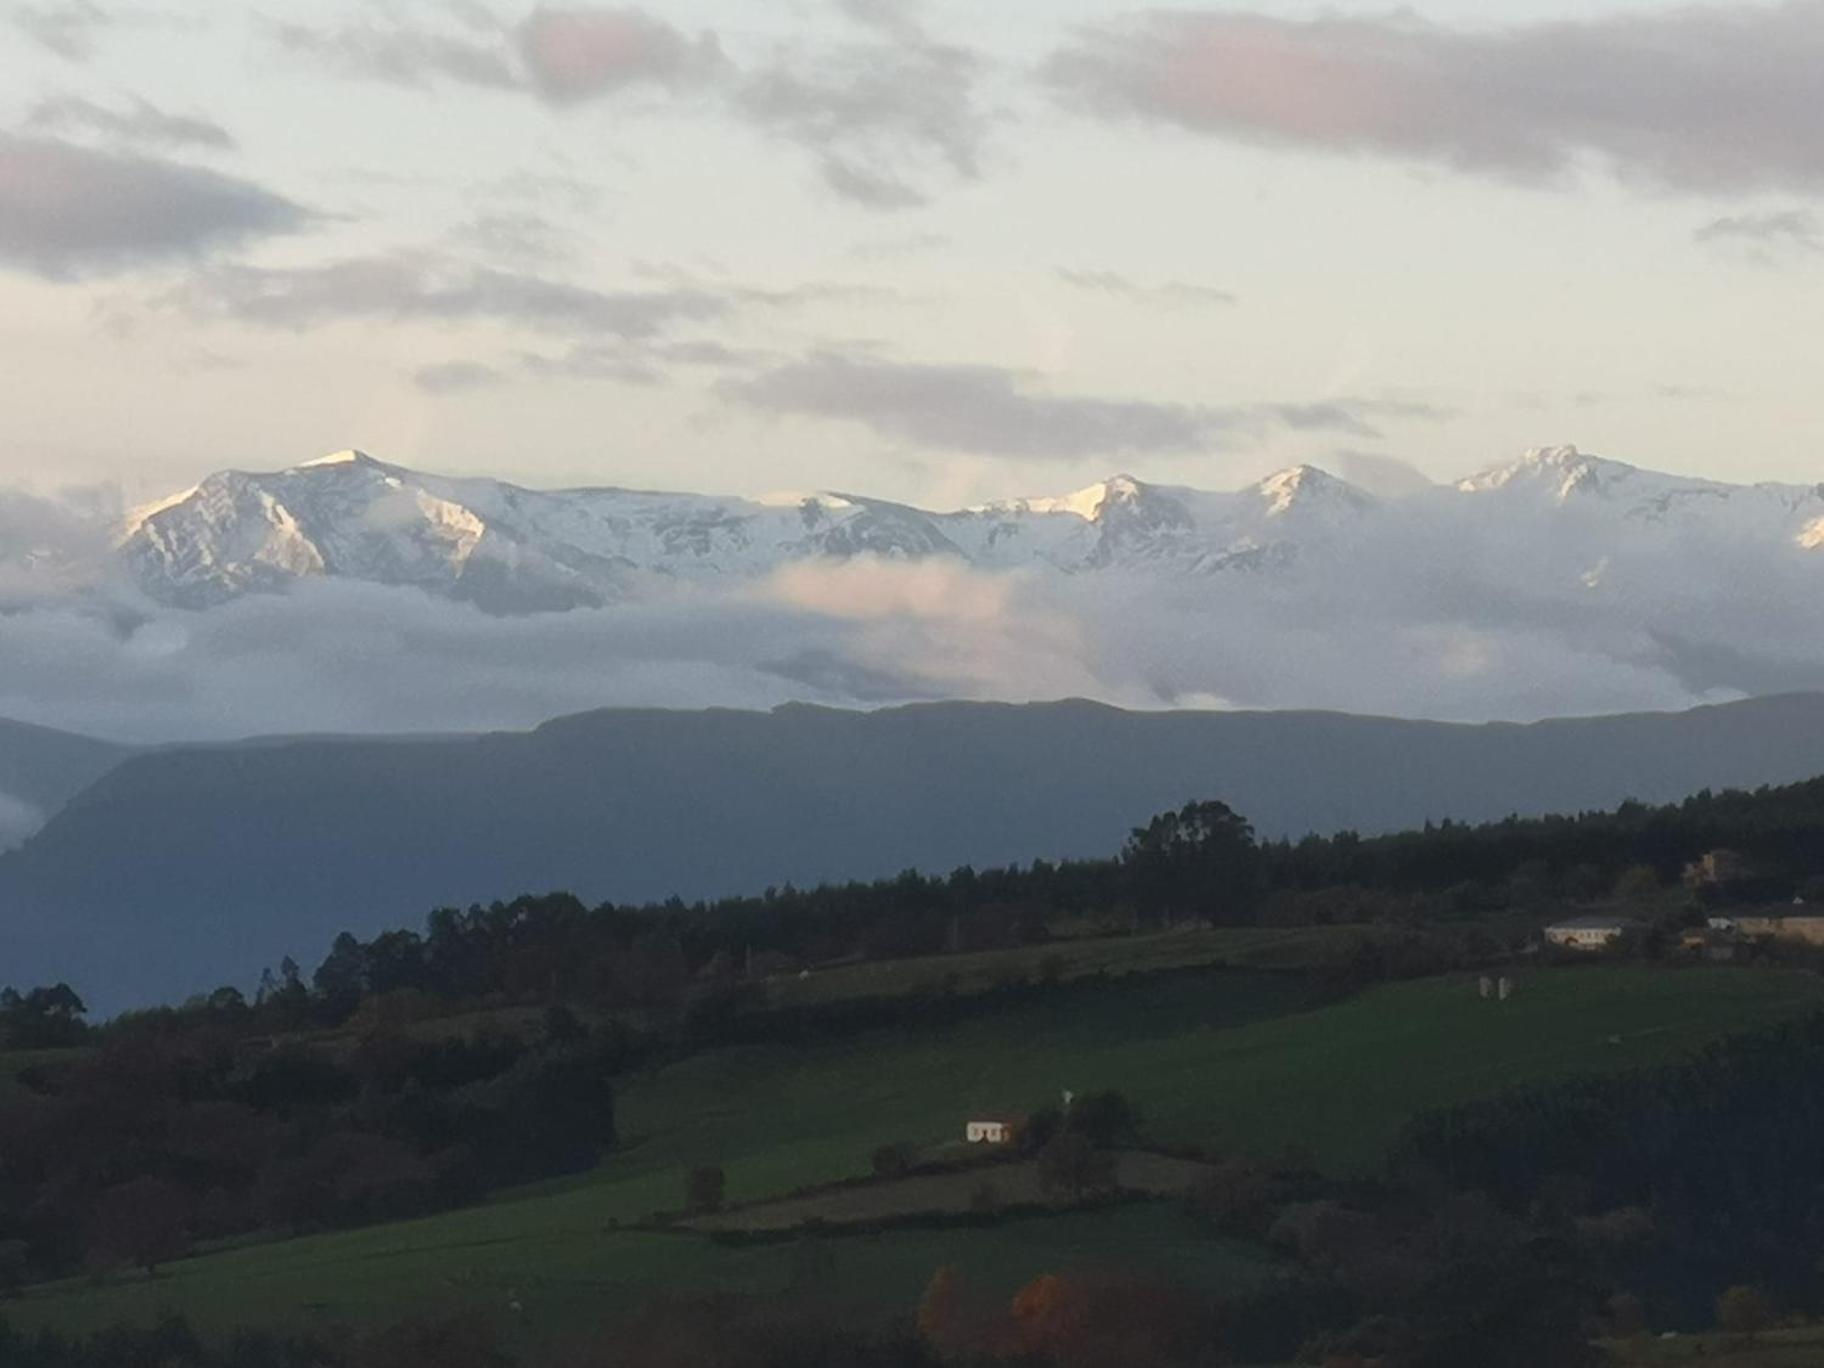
1766	239
421	286
139	123
1491	616
1429	605
899	248
991	411
456	377
1696	98
68	211
582	53
68	29
1381	474
49	547
1172	293
642	363
560	55
403	55
883	117
19	821
515	236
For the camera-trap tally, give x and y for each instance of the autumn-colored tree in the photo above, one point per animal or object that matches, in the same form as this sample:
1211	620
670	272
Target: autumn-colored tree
938	1308
1086	1320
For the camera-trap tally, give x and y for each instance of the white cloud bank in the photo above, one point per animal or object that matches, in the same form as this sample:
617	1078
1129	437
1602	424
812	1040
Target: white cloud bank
1506	623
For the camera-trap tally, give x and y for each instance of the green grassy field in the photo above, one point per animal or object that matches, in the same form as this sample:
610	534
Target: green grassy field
1225	1060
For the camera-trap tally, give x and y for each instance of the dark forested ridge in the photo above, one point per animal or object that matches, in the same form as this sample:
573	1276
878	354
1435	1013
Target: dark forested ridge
182	868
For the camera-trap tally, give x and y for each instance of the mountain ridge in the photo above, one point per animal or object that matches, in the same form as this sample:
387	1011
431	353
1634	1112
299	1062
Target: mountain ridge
511	549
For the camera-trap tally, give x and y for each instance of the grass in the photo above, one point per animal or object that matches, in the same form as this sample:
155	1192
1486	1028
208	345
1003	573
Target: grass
1225	1060
954	1192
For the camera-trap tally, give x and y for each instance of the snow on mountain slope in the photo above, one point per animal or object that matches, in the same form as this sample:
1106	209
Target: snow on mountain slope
1565	477
513	550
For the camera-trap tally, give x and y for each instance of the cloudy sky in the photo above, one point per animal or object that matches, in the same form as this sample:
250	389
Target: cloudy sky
940	250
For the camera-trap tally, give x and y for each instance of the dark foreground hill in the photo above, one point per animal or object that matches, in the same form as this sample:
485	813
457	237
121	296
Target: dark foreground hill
186	868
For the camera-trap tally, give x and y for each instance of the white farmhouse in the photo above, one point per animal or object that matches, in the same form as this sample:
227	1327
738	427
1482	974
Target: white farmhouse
994	1130
1588	933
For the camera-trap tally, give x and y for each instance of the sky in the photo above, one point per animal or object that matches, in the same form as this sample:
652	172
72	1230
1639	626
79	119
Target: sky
936	250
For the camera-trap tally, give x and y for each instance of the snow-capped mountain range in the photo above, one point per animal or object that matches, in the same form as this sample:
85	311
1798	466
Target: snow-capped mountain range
511	550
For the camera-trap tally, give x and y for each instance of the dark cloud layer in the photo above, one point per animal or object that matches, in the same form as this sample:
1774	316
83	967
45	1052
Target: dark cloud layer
68	211
991	411
1699	98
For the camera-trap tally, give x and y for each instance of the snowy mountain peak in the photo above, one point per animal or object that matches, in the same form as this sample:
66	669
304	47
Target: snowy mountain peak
339	458
1559	472
1302	484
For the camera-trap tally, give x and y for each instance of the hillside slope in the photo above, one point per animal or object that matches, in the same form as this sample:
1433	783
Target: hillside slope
187	868
41	770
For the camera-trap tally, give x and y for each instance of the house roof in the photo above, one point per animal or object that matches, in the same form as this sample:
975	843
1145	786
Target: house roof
998	1119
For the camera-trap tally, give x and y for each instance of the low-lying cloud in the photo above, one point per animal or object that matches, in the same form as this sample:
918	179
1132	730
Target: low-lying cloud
69	211
1493	613
1701	98
19	821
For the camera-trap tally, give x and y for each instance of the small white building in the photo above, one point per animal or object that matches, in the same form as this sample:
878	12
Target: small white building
994	1130
1588	933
